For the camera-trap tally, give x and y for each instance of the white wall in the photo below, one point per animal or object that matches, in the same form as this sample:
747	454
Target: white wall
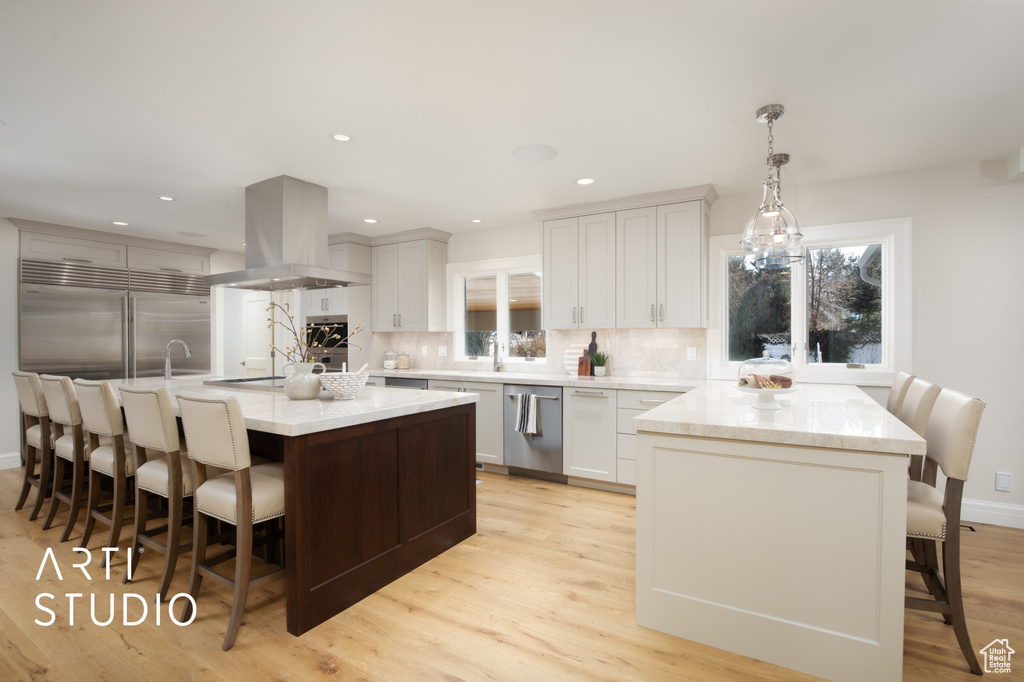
10	440
228	339
497	242
967	312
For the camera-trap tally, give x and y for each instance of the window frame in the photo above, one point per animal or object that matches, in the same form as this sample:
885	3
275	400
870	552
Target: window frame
502	268
894	234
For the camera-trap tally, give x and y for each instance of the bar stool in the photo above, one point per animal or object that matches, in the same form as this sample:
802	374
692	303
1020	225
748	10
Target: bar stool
248	494
935	517
102	420
62	403
898	392
153	431
38	440
915	412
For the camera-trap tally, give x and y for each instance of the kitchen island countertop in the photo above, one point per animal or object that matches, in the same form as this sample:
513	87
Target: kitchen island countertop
274	412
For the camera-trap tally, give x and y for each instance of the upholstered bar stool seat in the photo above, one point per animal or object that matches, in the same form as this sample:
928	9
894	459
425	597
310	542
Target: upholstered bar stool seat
38	449
216	436
62	403
934	516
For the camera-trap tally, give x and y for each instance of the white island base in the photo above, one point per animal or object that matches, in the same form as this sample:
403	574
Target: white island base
791	554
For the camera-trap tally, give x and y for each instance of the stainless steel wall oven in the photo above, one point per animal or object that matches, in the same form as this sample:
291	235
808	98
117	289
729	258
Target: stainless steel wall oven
328	332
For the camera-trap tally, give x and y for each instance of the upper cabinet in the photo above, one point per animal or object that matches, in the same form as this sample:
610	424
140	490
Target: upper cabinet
59	247
164	260
640	263
409	281
660	266
579	272
348	256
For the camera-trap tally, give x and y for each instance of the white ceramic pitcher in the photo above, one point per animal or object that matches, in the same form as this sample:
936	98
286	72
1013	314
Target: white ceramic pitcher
302	383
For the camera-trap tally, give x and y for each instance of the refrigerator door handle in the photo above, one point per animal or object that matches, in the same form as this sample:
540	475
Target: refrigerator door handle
125	324
131	345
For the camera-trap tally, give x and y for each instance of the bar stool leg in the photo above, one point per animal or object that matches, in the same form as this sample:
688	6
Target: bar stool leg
243	566
29	455
199	541
120	491
77	483
45	484
174	514
954	593
141	517
94	499
58	478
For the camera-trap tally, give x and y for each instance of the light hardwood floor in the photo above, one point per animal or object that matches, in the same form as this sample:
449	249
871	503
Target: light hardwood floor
543	592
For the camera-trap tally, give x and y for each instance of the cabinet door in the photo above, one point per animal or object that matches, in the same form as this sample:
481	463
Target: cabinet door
680	265
636	243
561	274
385	288
42	246
337	297
163	260
588	428
412	286
314	302
490	444
597	271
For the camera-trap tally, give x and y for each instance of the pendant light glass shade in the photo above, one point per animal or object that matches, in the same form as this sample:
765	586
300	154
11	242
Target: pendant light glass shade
773	233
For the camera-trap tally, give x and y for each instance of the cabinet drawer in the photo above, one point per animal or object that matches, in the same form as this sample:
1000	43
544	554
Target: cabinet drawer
625	471
645	400
624	420
625	446
41	246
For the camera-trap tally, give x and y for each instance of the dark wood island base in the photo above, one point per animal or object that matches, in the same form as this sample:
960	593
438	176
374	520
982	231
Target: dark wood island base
367	504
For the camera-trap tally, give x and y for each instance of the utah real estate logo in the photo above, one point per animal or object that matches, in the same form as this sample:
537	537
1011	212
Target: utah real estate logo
997	656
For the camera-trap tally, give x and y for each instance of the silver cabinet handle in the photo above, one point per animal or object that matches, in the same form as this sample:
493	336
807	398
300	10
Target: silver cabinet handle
394	320
652	312
655	402
581	314
661	312
574	314
595	394
77	260
170	270
399	319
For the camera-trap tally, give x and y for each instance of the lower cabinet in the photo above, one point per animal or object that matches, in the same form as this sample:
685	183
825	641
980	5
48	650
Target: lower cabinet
588	433
375	381
490	444
631	404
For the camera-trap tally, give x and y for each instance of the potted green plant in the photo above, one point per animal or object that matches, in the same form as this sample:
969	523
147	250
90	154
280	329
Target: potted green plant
600	362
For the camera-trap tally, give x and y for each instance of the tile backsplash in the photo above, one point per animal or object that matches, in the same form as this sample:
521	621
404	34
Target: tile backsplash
631	352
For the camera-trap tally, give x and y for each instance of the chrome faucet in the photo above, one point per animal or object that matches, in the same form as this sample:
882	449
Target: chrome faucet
167	356
497	352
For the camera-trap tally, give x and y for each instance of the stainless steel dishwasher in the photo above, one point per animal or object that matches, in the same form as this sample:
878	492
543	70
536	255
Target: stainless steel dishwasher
403	382
537	455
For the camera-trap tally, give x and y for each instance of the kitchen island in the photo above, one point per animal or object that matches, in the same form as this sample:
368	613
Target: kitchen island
778	535
374	486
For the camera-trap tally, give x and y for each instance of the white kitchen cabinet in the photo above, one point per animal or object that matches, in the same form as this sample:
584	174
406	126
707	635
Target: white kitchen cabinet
579	272
490	444
375	381
630	404
54	247
588	434
335	300
167	260
660	266
408	286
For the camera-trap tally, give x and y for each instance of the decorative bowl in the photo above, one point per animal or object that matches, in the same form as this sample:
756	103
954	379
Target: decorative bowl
344	385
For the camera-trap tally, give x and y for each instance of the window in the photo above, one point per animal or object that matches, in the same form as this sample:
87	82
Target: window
497	301
842	315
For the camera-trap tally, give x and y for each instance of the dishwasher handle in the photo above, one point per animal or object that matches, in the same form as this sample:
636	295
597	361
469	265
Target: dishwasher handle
539	397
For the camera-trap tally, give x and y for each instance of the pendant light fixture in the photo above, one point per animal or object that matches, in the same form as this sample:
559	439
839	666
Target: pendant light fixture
773	234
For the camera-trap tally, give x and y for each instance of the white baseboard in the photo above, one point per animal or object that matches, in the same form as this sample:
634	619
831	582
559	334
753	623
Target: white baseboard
10	460
996	513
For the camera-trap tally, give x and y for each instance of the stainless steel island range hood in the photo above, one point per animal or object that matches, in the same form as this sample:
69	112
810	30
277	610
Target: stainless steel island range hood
286	240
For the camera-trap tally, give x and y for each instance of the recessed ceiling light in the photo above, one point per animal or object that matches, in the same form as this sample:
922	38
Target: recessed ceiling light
535	152
341	137
165	198
477	220
369	220
198	235
585	181
119	223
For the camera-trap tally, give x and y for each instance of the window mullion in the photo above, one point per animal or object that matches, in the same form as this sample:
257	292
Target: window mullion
502	312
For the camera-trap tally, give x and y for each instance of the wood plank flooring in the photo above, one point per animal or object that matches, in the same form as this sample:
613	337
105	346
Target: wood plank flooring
543	592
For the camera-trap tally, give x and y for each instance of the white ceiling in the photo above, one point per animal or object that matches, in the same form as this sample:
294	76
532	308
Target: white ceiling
109	104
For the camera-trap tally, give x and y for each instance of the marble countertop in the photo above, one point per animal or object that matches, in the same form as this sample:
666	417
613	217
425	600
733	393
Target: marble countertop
274	412
527	378
818	415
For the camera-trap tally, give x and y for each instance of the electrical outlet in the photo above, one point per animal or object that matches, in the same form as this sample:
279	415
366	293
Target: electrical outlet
1003	481
423	351
691	354
442	351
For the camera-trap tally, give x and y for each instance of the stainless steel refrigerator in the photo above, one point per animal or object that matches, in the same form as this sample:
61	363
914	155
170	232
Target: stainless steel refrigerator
71	324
